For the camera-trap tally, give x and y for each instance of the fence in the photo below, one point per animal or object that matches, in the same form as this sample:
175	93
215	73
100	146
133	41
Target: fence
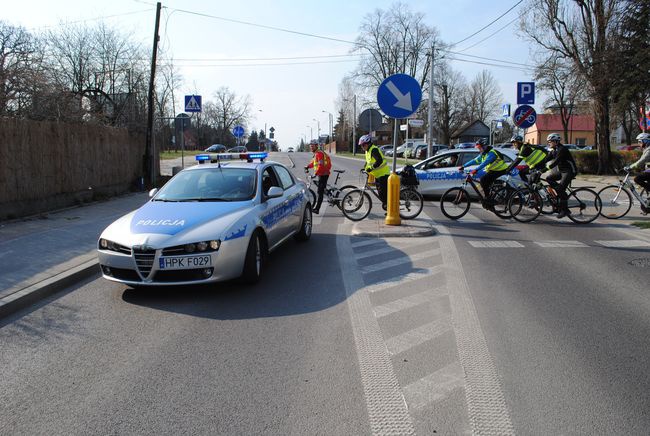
47	165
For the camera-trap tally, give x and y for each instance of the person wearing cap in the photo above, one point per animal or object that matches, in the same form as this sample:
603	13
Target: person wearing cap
322	165
563	170
642	179
377	166
493	162
533	156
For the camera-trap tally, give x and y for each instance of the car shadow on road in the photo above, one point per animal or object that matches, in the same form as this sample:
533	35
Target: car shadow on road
300	278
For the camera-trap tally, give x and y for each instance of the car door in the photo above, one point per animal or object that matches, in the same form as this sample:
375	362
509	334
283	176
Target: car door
293	203
272	212
441	173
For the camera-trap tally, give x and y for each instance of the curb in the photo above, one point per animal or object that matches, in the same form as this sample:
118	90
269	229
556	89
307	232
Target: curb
31	294
377	229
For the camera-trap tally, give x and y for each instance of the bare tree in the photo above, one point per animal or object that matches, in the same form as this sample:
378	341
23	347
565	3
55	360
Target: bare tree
228	109
558	76
583	31
482	98
449	87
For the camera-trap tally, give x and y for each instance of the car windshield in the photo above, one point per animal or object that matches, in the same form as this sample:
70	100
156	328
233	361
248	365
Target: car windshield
210	184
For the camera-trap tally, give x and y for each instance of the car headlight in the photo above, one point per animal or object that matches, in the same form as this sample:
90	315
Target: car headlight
202	246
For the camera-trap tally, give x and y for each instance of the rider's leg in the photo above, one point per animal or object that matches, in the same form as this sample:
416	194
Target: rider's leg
322	184
523	173
382	190
643	180
561	188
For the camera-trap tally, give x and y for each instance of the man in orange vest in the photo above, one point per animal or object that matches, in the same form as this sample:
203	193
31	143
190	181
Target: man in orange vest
322	164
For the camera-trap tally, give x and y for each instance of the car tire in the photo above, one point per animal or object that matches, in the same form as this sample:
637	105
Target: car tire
305	226
255	259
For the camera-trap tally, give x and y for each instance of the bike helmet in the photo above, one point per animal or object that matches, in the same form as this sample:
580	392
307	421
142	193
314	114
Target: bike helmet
553	137
481	142
365	139
313	142
517	138
643	138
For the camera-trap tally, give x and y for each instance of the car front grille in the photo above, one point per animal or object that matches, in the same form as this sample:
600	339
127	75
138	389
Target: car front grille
144	260
186	275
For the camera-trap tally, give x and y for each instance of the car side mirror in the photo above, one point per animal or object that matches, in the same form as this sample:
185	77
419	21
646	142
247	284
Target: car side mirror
153	192
275	192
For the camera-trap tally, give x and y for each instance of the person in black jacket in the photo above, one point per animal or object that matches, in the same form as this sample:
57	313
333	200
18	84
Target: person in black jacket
563	169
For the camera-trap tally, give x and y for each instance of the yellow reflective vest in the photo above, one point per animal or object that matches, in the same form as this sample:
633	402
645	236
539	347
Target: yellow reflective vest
382	169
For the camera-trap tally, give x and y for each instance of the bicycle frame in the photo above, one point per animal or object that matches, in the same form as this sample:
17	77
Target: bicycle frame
626	183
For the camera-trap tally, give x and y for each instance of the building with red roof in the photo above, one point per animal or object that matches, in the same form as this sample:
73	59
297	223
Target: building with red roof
582	129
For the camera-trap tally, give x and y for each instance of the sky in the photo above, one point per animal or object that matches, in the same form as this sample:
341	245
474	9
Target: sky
292	95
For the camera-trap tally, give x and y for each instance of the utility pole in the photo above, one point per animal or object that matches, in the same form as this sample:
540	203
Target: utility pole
354	125
148	159
430	117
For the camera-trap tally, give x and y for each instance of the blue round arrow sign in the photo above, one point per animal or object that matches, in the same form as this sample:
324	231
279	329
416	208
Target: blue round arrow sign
399	95
238	131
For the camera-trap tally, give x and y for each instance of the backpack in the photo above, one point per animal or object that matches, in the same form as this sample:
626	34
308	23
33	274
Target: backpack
408	176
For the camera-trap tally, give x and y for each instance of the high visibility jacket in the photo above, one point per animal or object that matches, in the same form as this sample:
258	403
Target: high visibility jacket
490	159
532	155
324	169
382	169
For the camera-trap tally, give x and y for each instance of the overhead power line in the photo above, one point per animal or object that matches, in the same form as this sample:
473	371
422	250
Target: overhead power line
489	36
262	65
487	59
103	17
488	25
263	59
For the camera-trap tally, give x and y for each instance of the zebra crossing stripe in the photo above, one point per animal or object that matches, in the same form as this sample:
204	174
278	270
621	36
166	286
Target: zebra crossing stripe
435	386
396	262
407	302
372	241
386	250
626	243
405	341
495	244
401	280
561	244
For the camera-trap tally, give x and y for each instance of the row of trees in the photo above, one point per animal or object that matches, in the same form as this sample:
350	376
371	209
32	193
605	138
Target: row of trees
586	50
98	74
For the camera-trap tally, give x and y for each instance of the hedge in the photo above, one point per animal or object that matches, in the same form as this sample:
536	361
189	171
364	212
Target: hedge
587	160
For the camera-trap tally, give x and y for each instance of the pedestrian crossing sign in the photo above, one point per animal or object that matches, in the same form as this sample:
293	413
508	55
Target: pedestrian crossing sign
192	103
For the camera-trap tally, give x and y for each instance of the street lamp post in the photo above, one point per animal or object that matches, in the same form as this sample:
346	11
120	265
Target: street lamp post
318	124
331	120
311	134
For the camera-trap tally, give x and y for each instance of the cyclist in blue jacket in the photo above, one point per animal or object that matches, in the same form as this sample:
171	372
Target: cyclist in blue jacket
493	162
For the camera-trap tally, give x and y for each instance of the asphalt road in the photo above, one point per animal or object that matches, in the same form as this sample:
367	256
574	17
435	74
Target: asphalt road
488	327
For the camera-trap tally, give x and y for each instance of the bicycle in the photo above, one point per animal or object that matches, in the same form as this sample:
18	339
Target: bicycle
617	199
333	194
536	198
356	204
456	201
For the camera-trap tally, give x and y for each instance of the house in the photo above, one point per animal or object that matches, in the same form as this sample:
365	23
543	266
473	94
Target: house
582	129
471	132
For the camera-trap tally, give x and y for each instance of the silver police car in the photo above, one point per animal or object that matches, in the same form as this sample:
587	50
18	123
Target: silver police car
211	222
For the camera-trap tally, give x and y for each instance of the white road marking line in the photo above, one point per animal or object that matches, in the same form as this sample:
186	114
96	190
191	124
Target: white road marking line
401	280
561	244
495	244
405	341
396	262
387	409
625	243
407	302
372	241
386	250
435	386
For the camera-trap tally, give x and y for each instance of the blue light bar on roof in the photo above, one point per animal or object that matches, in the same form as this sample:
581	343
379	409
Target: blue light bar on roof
202	157
216	157
261	155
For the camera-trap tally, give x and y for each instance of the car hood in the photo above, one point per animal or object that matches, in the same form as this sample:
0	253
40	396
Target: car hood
160	221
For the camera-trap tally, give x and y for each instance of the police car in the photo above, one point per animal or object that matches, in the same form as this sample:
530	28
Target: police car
440	172
211	222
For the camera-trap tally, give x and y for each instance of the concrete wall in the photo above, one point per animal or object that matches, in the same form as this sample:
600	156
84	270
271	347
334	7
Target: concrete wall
46	166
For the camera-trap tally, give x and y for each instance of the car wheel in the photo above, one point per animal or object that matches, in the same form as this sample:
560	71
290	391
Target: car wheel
255	259
305	227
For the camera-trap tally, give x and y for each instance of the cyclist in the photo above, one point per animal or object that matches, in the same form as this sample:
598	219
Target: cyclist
533	156
377	166
490	159
563	168
322	164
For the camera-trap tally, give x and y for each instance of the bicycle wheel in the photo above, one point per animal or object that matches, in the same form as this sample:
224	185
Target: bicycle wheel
311	197
500	198
525	205
584	205
410	203
616	201
341	193
356	205
455	203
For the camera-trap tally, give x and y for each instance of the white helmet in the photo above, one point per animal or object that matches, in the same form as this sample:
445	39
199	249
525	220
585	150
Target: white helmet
644	138
553	137
365	139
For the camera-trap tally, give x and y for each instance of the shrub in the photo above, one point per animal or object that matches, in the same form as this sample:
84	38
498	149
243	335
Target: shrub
587	160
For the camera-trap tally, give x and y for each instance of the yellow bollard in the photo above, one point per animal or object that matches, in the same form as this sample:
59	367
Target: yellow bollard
392	217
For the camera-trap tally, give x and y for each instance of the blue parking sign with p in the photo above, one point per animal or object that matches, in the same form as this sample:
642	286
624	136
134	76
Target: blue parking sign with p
525	92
